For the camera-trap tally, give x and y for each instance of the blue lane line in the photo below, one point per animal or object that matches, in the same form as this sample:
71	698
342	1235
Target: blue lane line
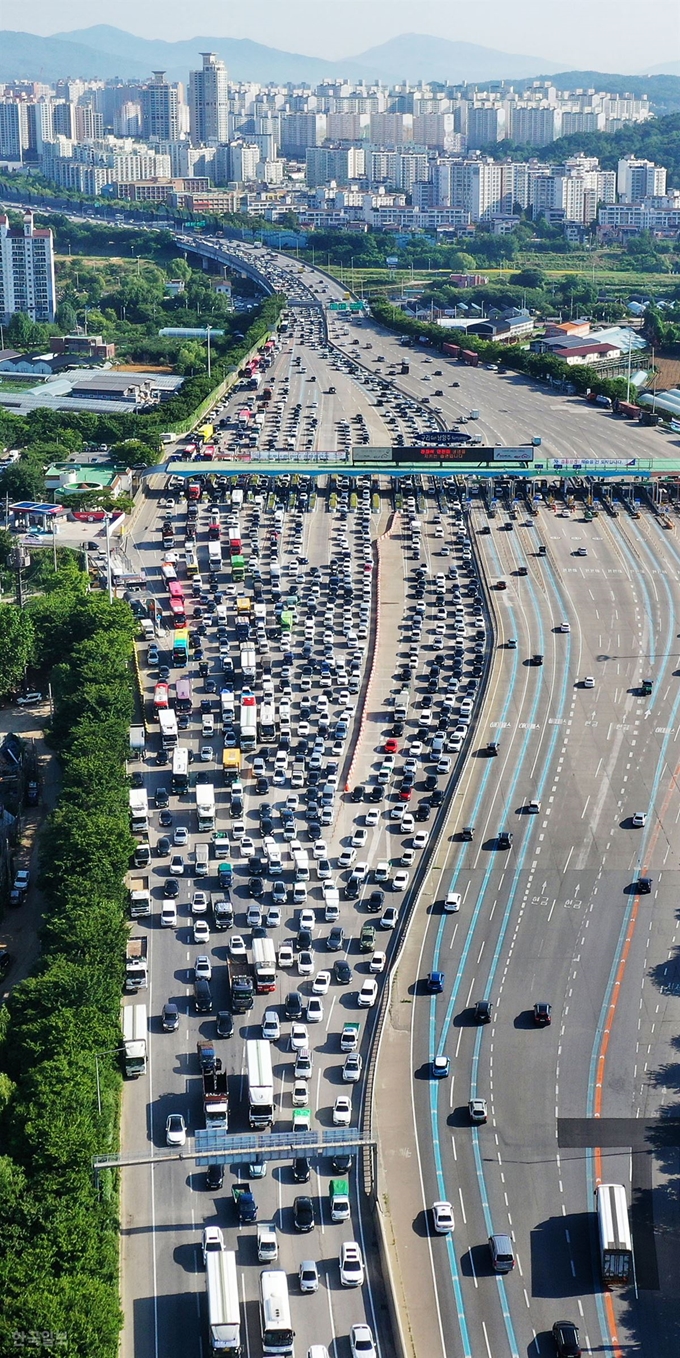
434	1092
592	1077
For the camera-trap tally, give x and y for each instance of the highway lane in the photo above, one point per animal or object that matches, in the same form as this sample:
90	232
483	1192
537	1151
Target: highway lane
560	960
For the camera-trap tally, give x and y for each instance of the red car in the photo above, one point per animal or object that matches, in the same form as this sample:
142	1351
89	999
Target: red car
391	746
405	794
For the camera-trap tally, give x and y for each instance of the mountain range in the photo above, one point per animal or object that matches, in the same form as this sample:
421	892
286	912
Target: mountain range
104	52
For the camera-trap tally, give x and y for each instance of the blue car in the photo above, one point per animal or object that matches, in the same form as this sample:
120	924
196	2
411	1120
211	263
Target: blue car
441	1067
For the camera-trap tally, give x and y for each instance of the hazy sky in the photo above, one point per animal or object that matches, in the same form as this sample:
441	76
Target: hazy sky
605	35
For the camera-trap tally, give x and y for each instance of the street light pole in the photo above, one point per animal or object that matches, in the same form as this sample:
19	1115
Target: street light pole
107	530
208	328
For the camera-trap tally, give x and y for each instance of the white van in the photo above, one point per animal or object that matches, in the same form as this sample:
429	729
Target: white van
202	860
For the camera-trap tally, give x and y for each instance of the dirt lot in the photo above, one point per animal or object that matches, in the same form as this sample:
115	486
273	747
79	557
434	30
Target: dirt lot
19	928
668	374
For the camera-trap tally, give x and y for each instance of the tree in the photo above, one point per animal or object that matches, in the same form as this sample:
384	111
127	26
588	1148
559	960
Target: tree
66	318
135	453
16	647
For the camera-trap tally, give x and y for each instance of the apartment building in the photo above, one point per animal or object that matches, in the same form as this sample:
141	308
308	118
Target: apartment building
26	270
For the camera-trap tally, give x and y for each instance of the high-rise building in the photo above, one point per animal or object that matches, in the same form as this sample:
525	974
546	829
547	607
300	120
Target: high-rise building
300	130
638	179
339	163
209	102
243	160
485	124
14	134
536	125
64	119
26	270
160	109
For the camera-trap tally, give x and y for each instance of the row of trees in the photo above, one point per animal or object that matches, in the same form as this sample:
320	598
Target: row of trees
58	1229
541	366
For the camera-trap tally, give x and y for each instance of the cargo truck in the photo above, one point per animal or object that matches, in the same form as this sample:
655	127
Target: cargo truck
220	843
338	1193
139	810
248	662
136	965
216	1098
231	763
205	806
137	742
241	987
264	965
245	1203
134	1026
224	1317
139	897
208	1059
167	719
260	1083
223	912
301	861
267	1243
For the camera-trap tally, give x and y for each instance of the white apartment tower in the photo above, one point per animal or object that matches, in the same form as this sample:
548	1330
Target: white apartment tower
209	102
638	179
26	270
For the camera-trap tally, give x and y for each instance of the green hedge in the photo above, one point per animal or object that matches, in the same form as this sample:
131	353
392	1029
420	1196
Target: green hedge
59	1233
540	366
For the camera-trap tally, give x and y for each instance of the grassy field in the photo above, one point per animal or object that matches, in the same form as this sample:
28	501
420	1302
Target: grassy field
604	274
15	382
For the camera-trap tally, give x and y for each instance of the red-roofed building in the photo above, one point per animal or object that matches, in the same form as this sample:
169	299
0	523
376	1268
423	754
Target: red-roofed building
26	270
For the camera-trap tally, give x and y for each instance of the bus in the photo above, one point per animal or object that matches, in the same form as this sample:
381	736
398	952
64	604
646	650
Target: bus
268	723
248	720
190	561
616	1245
160	698
180	769
275	1325
183	696
180	646
168	572
175	589
238	568
178	612
214	556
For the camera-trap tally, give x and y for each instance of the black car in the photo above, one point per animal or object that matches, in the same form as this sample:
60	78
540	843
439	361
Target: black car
436	796
214	1177
567	1339
342	1164
161	797
542	1014
422	811
137	779
357	794
303	1213
224	1024
301	1170
483	1011
256	887
170	1017
351	889
377	793
262	786
644	886
504	839
171	888
163	674
183	721
342	971
163	846
165	819
202	996
293	1004
304	939
162	757
375	902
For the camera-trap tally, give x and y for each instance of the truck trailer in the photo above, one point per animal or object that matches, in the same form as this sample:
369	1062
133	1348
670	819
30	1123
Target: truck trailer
260	1083
134	1026
136	965
224	1316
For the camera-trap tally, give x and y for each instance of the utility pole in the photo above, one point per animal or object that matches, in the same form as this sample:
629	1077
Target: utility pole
630	356
107	529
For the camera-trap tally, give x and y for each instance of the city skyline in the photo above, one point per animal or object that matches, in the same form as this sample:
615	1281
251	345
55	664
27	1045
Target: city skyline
348	27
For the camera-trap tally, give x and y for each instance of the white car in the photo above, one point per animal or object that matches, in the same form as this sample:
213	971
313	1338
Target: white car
305	962
408	824
351	1264
298	1037
286	955
321	983
442	1217
351	1071
371	818
564	627
300	1094
639	819
420	839
368	994
589	681
271	1026
444	765
273	916
203	967
361	1342
180	836
320	849
207	754
201	931
382	871
175	1130
398	812
452	902
307	919
199	903
342	1111
323	869
400	880
177	865
314	1010
359	838
347	858
237	947
377	963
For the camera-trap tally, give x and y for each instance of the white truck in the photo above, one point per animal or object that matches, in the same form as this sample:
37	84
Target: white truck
137	742
349	1037
205	806
260	1083
267	1243
133	1022
224	1315
248	663
136	964
301	862
167	720
264	963
139	810
139	897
